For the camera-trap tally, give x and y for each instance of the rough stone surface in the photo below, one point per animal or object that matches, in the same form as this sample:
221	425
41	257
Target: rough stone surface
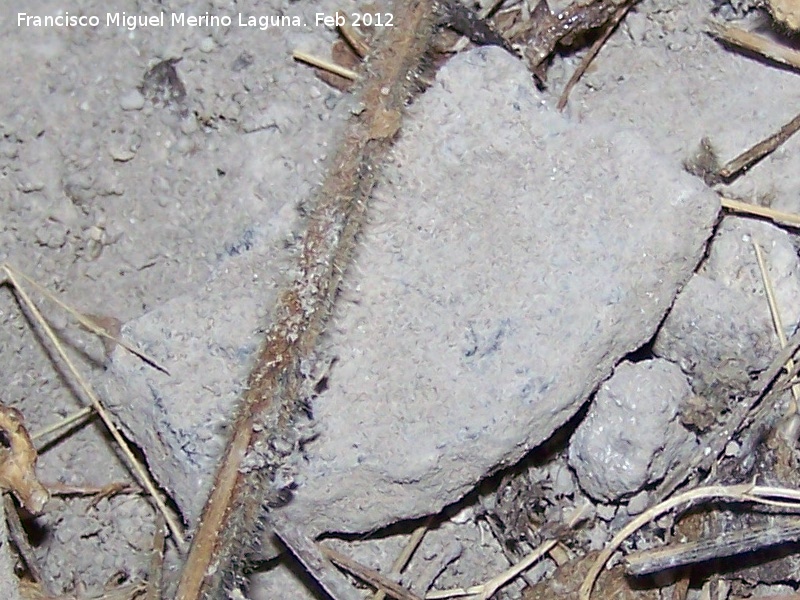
705	336
732	261
498	301
119	211
705	333
608	452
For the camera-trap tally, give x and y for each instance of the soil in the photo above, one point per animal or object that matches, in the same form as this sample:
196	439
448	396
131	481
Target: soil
138	163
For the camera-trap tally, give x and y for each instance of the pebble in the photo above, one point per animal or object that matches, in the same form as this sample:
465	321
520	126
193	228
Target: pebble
207	45
121	154
606	512
132	100
732	449
52	234
638	504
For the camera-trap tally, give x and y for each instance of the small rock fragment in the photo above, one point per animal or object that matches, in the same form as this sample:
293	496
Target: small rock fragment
705	334
632	435
131	100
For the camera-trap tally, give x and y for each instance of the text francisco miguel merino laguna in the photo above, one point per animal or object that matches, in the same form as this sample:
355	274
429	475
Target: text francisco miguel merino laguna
131	22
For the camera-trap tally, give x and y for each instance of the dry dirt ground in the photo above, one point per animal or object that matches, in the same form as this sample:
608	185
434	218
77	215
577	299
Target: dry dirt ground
123	188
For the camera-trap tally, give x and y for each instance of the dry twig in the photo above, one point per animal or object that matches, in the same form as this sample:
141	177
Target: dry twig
593	51
764	46
776	216
90	322
408	551
275	396
751	156
546	30
773	51
13	276
350	35
19	538
789	424
746	492
371	576
325	65
156	561
722	546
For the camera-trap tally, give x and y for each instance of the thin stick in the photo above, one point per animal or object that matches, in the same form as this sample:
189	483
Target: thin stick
763	148
764	46
88	323
777	322
350	36
82	415
776	216
156	562
105	491
593	51
408	551
133	463
275	396
20	538
371	576
325	65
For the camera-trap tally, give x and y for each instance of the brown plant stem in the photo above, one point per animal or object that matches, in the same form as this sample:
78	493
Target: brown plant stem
275	396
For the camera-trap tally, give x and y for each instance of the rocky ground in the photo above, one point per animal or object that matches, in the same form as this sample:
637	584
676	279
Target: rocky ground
547	313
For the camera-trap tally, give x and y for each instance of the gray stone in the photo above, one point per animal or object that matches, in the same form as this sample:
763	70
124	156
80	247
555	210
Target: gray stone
720	329
609	453
705	335
639	503
732	262
131	100
499	280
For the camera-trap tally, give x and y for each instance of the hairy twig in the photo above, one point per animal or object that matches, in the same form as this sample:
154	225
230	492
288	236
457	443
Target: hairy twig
262	434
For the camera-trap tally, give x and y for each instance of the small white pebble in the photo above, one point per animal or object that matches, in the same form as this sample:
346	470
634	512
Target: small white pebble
189	125
185	145
207	45
132	100
732	449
